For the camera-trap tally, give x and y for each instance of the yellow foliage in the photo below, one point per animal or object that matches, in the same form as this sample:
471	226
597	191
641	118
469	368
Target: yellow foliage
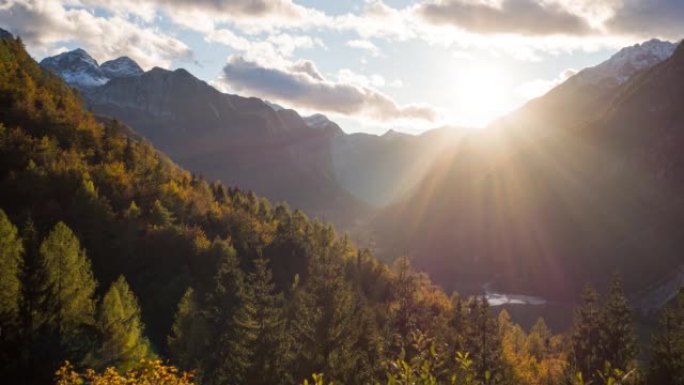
147	373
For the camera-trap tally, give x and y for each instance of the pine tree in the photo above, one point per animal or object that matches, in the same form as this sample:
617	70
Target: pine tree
586	355
161	216
67	285
260	330
618	337
222	304
405	317
123	343
64	308
322	327
667	348
11	261
189	334
539	339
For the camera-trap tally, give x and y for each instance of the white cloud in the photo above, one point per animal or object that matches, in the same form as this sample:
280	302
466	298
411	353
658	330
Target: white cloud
366	45
525	17
44	24
305	88
538	87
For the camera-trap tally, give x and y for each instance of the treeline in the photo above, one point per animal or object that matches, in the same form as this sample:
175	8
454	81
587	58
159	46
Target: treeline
111	255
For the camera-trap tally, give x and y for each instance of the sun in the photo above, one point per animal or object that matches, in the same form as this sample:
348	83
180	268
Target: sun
480	94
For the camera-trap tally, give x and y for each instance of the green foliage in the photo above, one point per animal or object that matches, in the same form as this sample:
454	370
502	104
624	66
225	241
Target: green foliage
122	343
322	323
666	365
67	287
11	261
188	339
11	264
260	330
618	337
586	354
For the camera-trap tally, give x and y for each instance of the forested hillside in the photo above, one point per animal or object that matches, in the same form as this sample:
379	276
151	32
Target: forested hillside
111	257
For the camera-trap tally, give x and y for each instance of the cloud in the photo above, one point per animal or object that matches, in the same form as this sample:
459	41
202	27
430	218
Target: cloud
366	45
664	18
526	17
538	87
303	87
44	23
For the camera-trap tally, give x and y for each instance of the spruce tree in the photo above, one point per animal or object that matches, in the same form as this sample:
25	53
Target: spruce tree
11	261
66	285
322	323
260	330
618	337
123	343
667	348
222	304
189	333
586	355
539	339
64	311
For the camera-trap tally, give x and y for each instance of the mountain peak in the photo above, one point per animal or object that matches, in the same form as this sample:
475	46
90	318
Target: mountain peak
5	34
77	68
629	61
121	67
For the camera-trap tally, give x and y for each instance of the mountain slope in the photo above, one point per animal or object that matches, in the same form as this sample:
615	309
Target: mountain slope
308	162
542	203
583	97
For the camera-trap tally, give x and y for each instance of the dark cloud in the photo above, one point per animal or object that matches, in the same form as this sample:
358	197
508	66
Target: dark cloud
663	18
527	17
255	8
302	89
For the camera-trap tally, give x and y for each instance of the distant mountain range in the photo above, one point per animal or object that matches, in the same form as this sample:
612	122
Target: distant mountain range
308	162
576	184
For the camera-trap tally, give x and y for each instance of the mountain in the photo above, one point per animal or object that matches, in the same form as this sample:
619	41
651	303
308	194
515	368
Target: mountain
122	67
583	97
77	68
308	162
579	183
5	34
627	62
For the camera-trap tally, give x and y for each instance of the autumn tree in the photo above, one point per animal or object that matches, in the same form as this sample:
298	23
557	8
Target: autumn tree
11	263
123	343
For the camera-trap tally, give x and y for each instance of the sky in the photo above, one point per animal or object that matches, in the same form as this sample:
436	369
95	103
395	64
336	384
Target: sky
369	65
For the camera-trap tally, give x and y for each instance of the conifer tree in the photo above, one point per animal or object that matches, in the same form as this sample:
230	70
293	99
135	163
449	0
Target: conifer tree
667	348
11	261
222	304
189	333
586	354
66	285
123	343
260	330
539	339
618	337
161	216
322	327
64	308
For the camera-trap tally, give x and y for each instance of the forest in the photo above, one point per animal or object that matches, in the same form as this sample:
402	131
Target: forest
119	267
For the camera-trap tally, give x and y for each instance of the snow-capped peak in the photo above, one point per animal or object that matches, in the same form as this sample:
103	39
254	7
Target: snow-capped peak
317	121
122	67
76	68
629	61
